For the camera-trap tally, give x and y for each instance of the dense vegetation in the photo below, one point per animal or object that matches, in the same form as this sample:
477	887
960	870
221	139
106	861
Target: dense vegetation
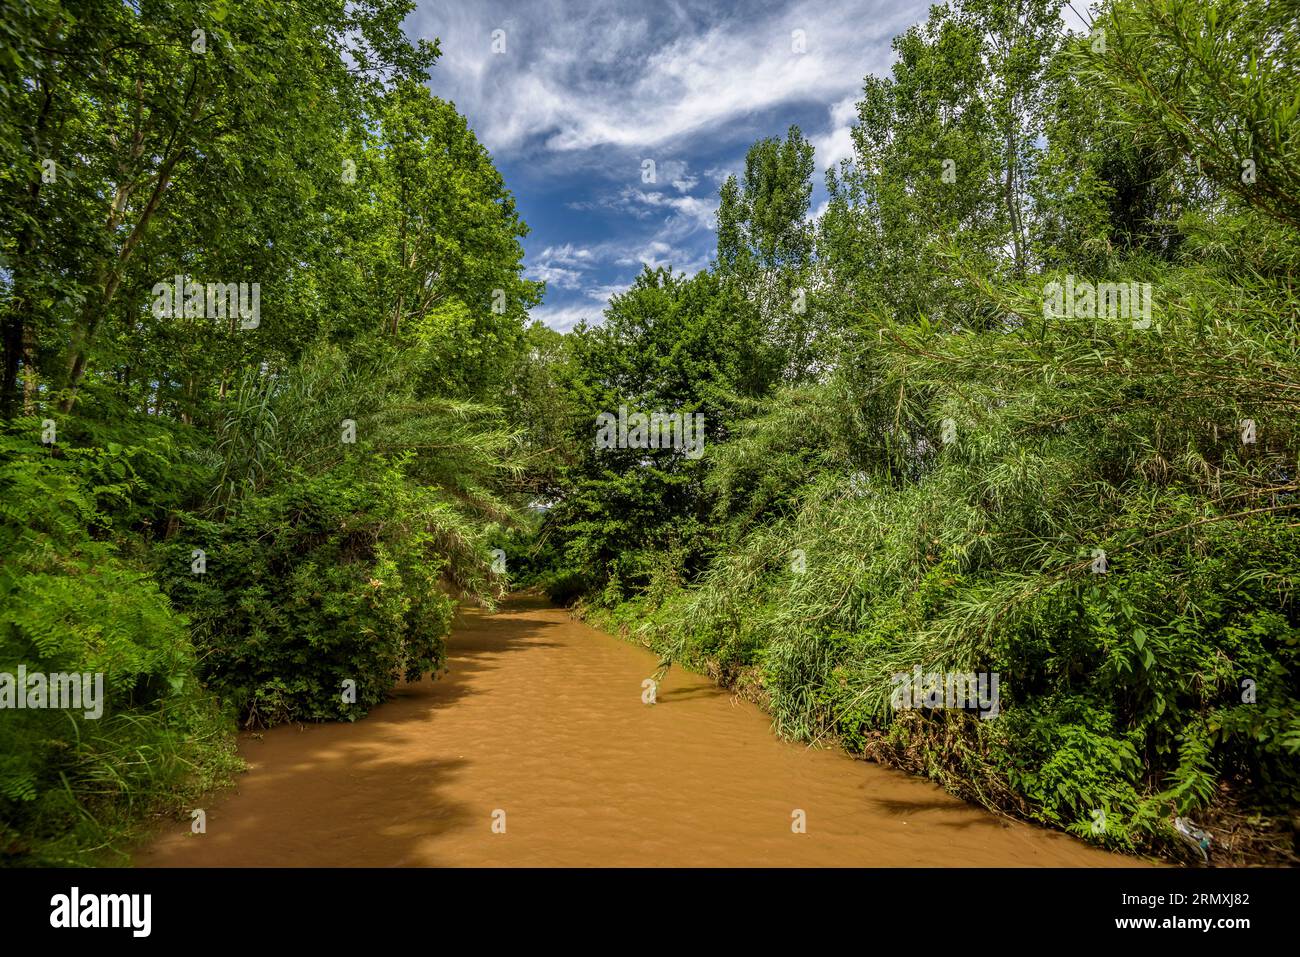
911	457
258	515
916	456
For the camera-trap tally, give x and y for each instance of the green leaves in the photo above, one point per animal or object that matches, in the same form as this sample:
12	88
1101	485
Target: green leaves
295	148
75	604
1211	82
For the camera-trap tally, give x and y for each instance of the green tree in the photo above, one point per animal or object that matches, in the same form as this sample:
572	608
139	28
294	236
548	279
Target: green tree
230	106
435	243
765	244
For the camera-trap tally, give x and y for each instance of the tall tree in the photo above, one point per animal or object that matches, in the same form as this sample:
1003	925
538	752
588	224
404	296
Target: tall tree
435	244
765	242
943	152
118	103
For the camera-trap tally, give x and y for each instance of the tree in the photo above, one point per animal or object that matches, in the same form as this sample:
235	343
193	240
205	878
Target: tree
436	247
128	101
765	243
943	152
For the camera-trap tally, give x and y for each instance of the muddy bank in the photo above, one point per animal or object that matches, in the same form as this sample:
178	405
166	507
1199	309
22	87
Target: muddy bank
540	717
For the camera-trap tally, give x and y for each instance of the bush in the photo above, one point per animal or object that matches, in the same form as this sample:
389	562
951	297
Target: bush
325	580
564	586
1172	680
72	787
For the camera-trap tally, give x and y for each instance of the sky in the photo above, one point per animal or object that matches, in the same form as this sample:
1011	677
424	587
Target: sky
573	97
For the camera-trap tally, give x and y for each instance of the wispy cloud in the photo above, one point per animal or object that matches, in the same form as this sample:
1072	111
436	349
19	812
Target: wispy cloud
581	93
564	318
567	255
555	276
588	73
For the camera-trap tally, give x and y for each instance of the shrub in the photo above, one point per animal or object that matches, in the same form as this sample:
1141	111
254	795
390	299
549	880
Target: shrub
1171	680
72	787
324	580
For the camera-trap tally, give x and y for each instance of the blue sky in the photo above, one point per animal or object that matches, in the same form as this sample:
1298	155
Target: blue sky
584	92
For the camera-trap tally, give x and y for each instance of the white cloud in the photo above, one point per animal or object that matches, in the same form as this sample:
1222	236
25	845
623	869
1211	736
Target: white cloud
555	276
695	212
657	253
564	318
605	292
718	174
566	254
837	143
588	89
577	75
681	215
563	266
653	254
567	316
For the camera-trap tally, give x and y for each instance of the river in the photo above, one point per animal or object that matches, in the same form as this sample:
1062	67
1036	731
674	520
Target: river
536	750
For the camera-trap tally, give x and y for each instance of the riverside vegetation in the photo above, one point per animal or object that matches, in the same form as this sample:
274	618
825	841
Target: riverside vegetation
912	456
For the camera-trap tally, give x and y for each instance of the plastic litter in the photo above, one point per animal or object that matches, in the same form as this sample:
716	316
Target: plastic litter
1193	835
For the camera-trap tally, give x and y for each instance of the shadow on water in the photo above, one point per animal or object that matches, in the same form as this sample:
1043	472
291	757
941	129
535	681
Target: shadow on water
541	717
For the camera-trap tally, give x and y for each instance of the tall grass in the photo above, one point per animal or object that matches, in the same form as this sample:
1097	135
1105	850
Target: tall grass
860	544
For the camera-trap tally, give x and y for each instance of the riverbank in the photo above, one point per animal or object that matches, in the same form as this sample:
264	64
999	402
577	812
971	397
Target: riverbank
1241	837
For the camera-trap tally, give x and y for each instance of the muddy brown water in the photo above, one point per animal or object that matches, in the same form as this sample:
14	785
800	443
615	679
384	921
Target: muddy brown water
541	717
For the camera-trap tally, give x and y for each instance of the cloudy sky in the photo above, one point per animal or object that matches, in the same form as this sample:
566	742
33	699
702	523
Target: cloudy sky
586	91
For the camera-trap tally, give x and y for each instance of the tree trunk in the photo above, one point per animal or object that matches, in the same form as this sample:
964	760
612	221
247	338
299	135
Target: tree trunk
18	336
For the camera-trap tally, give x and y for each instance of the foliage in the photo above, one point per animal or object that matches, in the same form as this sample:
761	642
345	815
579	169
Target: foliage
325	580
233	514
72	785
930	476
909	461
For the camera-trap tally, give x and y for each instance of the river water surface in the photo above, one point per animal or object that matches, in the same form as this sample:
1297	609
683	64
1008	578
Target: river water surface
540	717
